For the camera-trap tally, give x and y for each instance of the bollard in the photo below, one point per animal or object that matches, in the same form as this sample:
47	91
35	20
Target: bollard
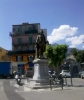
65	79
62	82
50	84
71	81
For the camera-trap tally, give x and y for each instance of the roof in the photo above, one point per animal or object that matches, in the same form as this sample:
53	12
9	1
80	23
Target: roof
3	48
25	24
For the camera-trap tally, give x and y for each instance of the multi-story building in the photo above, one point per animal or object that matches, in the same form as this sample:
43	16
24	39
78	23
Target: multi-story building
23	41
3	55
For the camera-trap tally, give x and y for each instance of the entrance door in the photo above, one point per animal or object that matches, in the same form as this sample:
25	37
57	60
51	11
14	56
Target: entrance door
75	69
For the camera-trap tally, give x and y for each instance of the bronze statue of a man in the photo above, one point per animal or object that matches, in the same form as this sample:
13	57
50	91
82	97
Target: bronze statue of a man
40	45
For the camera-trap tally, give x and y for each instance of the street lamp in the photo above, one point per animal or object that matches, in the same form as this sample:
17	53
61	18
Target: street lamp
71	75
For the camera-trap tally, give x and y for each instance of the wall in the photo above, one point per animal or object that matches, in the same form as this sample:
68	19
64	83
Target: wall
3	54
24	38
25	57
6	58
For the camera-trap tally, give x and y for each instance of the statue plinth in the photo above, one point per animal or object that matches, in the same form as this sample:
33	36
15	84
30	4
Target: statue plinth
41	76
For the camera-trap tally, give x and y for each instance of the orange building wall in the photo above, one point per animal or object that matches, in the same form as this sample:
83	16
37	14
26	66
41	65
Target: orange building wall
25	57
13	58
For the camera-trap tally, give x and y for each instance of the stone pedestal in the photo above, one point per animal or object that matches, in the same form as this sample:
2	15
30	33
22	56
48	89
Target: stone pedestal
41	76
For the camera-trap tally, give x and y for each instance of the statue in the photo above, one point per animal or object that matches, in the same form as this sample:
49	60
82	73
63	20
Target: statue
40	45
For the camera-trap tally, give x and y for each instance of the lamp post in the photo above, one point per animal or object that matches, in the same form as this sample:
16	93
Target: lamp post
71	76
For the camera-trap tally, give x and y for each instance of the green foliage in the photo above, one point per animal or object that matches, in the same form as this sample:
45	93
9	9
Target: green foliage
80	56
74	52
56	54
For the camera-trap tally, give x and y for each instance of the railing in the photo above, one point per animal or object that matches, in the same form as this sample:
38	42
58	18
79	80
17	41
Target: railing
24	43
31	31
24	33
21	52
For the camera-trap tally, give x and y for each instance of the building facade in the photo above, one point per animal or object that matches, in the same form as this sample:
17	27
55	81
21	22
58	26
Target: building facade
3	55
23	41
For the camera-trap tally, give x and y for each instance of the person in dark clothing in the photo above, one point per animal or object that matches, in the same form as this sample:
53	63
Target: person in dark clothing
26	73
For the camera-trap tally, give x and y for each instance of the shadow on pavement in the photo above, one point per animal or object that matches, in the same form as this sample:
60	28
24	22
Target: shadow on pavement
60	89
78	86
21	84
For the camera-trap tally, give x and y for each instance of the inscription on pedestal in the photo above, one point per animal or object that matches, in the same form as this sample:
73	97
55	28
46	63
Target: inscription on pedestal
44	69
40	69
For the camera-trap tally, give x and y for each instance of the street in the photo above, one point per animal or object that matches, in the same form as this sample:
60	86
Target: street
9	90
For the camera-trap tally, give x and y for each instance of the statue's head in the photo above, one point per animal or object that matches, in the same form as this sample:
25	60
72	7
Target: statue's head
41	32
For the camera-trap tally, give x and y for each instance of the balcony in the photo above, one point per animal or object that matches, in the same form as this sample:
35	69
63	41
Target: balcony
24	33
20	52
24	43
31	32
15	34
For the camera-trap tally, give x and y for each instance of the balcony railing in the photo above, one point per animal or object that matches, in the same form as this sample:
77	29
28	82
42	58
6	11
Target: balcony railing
24	33
21	52
31	31
24	43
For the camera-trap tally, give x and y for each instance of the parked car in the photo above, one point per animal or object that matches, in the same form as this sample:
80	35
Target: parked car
79	74
65	73
82	75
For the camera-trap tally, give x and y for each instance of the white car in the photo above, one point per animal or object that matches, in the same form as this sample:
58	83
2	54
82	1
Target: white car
82	75
79	74
65	73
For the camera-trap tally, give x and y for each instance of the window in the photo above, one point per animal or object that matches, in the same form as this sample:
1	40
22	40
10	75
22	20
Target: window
2	57
19	40
31	47
19	48
30	28
30	39
0	50
30	58
19	30
19	58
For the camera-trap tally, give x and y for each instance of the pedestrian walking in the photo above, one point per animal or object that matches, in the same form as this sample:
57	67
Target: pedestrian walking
26	74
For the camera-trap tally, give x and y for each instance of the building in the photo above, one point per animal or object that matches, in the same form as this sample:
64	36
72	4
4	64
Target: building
23	41
3	55
71	64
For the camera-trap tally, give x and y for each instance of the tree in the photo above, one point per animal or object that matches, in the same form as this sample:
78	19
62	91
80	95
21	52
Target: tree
74	52
56	54
80	56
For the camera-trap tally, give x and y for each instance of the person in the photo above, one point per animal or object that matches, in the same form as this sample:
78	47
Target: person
26	73
18	74
14	73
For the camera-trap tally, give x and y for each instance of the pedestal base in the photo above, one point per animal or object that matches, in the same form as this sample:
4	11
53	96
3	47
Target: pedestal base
41	76
39	84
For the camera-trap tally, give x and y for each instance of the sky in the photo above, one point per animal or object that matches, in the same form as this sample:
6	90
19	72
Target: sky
63	19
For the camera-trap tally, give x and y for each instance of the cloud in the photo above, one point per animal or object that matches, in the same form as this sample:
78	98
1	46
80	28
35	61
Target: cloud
76	40
83	47
61	33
